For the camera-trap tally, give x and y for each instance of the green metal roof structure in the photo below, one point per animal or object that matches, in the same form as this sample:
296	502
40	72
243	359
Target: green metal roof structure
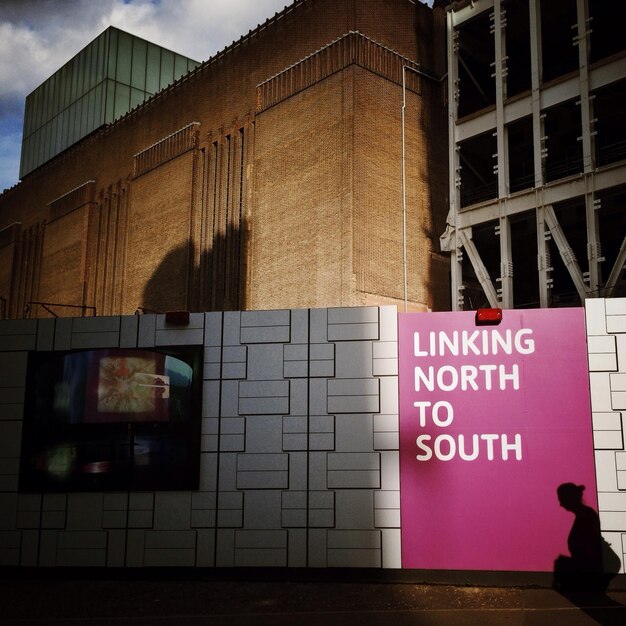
104	81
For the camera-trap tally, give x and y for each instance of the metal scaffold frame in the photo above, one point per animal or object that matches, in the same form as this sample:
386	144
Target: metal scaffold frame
541	197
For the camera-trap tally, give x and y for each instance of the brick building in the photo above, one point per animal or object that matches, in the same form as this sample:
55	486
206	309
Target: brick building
270	176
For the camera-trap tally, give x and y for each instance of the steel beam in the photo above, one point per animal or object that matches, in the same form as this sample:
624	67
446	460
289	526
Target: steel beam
506	263
567	254
482	274
617	271
553	193
544	263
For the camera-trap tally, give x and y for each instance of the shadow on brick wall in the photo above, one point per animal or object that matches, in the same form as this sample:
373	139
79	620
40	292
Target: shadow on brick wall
212	280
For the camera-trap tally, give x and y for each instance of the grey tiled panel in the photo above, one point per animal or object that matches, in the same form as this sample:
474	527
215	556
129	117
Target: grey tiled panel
360	539
353	359
264	434
231	326
299	325
354	558
203	500
147	331
45	334
265	362
182	336
17	342
18	327
196	321
116	547
262	480
95	340
13	369
170	539
354	479
203	519
354	461
318	321
128	331
352	315
281	317
264	389
297	548
265	334
352	332
205	548
170	557
10	438
294	499
81	540
283	459
261	539
213	329
98	324
388	320
262	509
260	557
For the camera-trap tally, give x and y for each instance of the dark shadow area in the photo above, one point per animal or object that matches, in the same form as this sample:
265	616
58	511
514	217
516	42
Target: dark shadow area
214	280
524	254
517	33
571	215
477	86
584	576
432	122
479	177
521	157
610	125
607	29
612	225
487	244
563	127
558	22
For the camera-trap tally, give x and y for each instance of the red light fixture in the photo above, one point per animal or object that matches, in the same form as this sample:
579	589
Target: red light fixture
488	317
177	318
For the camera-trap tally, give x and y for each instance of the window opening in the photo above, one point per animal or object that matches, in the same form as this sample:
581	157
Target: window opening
517	37
563	127
476	57
521	156
610	125
559	55
479	180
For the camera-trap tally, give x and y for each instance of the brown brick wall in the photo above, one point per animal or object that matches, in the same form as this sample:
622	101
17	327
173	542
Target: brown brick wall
221	203
159	222
6	274
303	199
65	245
378	247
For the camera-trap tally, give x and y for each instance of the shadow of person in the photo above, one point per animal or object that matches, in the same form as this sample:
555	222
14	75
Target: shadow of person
584	576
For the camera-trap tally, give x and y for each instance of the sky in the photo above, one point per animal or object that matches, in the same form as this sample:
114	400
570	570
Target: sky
37	37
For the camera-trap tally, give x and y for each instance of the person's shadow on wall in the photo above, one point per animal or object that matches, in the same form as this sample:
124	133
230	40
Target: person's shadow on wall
584	576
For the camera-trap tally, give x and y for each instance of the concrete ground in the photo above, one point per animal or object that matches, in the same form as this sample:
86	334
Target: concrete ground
173	601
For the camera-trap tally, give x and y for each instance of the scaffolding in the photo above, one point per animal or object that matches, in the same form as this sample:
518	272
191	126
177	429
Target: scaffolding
537	152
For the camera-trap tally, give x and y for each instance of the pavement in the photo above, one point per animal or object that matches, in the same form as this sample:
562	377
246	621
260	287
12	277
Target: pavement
195	601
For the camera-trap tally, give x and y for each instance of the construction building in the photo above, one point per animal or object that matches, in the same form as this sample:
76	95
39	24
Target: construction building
304	165
537	152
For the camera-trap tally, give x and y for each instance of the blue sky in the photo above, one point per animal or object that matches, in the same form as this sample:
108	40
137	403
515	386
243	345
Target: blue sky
38	36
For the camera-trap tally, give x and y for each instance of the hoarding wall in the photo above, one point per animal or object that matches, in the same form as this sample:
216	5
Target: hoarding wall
310	457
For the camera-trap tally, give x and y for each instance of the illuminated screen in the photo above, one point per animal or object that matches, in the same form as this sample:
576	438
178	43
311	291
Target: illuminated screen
115	419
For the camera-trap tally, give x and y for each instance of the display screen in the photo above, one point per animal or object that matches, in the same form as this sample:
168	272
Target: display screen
114	419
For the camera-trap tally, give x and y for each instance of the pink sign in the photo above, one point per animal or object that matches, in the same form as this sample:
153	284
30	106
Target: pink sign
492	420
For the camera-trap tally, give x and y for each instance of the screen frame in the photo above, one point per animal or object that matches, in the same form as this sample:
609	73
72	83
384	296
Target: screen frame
141	454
